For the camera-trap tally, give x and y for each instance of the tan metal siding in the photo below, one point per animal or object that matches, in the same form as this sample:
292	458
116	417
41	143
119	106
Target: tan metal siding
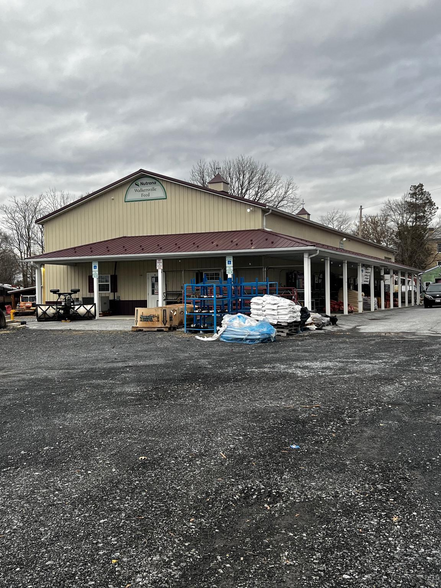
305	231
132	275
184	211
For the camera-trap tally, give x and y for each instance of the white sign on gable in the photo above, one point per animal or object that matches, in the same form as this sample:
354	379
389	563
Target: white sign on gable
145	188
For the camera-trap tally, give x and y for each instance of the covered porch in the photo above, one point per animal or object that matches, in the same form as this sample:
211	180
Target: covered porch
151	270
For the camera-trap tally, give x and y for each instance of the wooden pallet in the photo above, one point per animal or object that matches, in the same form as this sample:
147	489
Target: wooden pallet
152	329
287	330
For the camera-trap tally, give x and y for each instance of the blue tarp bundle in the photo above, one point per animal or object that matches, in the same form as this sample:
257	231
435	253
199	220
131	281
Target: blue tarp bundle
243	329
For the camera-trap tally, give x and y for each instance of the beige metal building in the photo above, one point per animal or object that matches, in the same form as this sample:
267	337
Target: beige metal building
136	242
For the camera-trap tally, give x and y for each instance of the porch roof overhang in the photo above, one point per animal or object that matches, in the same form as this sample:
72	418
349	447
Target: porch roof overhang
213	244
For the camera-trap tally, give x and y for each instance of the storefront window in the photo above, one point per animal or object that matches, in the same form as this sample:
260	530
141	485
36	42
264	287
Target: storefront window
104	283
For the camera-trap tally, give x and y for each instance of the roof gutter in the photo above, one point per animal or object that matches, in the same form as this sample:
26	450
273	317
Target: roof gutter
181	254
174	255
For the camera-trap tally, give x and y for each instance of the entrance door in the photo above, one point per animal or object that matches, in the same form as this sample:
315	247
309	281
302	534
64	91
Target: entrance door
152	290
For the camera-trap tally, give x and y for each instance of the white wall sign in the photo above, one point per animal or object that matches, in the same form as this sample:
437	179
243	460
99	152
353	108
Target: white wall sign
366	274
145	188
95	270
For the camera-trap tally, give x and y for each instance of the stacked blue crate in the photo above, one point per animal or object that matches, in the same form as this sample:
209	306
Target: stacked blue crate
210	301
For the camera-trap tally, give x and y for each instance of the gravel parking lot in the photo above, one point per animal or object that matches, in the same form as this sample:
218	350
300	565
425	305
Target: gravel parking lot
154	459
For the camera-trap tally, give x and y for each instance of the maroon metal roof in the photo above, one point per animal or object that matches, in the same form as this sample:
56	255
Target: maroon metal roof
181	243
191	243
155	175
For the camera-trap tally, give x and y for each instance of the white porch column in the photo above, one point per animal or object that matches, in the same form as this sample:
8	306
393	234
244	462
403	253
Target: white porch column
307	280
345	287
360	288
406	289
382	287
400	290
391	288
328	285
412	292
96	291
159	266
38	284
418	294
372	288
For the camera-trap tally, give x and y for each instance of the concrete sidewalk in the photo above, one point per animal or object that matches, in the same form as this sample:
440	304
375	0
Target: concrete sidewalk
416	320
107	323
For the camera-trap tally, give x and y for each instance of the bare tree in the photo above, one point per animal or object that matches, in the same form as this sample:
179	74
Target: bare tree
53	199
25	236
9	268
376	228
19	221
337	219
251	180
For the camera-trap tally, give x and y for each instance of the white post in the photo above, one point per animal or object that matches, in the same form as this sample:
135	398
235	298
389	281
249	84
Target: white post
345	287
400	289
160	270
372	288
382	287
160	287
38	284
412	292
307	280
391	288
406	289
360	289
96	290
418	292
327	285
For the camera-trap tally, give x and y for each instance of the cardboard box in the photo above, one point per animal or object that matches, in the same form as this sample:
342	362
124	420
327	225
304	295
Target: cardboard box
170	316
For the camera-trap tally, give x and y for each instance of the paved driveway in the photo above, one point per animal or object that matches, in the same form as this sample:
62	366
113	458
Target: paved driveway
156	460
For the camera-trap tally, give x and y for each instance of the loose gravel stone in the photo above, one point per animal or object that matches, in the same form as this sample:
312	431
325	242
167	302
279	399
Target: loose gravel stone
156	460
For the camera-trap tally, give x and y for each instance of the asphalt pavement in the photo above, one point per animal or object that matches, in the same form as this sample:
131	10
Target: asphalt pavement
156	460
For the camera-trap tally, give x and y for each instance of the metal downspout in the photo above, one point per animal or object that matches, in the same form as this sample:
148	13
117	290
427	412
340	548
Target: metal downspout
264	220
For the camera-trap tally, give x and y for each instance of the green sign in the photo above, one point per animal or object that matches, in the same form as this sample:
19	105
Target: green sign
145	188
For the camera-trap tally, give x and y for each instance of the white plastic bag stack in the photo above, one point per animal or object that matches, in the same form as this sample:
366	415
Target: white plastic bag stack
276	310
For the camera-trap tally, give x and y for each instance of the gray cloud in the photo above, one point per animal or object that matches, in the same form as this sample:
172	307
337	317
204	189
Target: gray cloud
342	96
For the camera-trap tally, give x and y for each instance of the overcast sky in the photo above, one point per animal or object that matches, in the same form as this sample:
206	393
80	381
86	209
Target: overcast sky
342	95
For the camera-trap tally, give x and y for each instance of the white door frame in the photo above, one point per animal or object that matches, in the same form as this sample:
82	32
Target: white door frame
152	299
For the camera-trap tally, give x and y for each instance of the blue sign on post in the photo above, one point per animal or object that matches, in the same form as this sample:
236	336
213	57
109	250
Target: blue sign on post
229	264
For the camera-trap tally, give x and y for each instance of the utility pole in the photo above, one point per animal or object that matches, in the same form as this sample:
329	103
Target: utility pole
360	222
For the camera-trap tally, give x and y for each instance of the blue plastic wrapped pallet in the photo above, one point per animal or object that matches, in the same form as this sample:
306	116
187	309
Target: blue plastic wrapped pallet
243	329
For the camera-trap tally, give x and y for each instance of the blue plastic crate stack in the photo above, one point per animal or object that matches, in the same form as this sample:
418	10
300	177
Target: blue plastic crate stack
211	301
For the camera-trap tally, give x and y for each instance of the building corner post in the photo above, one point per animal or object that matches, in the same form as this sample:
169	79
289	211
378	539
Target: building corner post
360	287
328	285
96	289
307	280
38	285
372	288
345	287
391	288
382	287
